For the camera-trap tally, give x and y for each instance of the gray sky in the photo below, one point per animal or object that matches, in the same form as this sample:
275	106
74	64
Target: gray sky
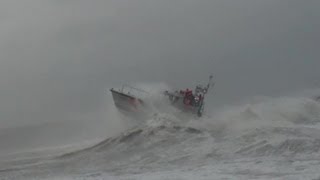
58	57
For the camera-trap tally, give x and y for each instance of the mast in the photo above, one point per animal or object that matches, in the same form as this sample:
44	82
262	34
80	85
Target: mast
209	84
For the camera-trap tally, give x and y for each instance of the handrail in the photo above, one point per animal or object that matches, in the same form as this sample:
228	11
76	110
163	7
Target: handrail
136	92
134	88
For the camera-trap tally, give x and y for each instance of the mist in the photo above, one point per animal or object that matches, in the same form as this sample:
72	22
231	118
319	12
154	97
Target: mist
59	58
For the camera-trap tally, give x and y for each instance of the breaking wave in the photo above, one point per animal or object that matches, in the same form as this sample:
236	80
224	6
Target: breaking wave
277	127
284	126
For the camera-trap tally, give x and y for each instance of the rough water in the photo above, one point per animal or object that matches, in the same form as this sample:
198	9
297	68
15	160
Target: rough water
273	138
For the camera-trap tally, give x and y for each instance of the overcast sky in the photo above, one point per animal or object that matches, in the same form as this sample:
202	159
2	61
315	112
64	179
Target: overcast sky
58	57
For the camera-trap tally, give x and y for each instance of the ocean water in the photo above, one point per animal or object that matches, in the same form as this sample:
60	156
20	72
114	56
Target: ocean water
273	138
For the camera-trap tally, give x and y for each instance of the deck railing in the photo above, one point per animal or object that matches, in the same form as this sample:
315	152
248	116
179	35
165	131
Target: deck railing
130	90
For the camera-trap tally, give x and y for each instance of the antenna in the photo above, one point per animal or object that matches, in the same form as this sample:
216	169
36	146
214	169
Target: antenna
209	83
